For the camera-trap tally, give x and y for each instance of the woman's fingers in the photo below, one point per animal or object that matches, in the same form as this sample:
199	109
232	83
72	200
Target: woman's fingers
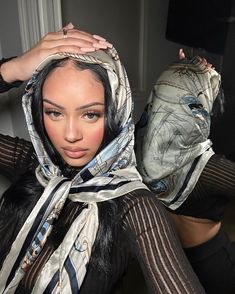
181	54
70	40
77	38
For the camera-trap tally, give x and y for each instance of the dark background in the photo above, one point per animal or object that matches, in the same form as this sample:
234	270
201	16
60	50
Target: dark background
210	26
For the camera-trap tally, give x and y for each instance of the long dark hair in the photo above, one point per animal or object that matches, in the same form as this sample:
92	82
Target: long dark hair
110	126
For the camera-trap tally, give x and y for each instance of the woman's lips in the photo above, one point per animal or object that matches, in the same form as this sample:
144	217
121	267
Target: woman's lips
74	153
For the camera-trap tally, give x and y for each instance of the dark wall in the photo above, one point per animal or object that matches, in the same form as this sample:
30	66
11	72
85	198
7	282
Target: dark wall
223	128
118	22
201	24
209	28
10	29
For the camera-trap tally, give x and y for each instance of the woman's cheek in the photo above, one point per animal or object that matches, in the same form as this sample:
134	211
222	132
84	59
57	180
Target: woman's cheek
97	137
51	130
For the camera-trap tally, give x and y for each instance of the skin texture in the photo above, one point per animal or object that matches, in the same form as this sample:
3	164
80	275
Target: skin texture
76	41
74	116
194	231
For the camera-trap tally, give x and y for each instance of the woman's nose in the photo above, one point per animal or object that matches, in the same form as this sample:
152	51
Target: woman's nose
72	131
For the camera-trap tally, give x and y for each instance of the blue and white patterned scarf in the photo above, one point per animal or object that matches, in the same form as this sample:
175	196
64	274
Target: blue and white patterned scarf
173	144
110	174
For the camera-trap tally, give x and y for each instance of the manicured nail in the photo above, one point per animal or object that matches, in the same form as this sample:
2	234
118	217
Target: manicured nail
109	45
99	38
69	26
99	45
88	49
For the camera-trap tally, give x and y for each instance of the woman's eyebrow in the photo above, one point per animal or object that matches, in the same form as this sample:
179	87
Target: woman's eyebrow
78	108
90	105
52	103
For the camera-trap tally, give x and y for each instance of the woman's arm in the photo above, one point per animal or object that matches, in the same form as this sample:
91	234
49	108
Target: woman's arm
157	247
16	157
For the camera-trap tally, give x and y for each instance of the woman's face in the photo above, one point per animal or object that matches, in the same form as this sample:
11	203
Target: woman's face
73	113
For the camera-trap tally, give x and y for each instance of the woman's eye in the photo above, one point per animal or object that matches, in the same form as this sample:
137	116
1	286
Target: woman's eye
53	114
92	116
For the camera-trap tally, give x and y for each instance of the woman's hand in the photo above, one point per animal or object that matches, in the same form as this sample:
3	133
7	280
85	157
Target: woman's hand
204	63
74	41
181	54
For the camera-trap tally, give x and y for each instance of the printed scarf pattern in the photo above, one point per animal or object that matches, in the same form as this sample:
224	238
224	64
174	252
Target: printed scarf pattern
172	134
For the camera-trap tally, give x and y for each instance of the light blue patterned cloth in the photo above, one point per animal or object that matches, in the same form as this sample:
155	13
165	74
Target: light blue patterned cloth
173	144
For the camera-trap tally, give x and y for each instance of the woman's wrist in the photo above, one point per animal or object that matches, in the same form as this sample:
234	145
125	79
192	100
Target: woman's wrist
7	70
7	79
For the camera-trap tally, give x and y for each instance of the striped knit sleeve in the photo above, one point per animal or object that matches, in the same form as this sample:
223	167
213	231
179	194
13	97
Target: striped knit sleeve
157	247
16	156
218	176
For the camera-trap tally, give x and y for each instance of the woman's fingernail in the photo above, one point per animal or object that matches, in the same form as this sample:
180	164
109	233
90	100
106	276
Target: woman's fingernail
99	38
88	49
99	45
109	45
69	26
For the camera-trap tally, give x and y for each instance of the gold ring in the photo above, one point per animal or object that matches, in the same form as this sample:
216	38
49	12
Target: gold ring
65	33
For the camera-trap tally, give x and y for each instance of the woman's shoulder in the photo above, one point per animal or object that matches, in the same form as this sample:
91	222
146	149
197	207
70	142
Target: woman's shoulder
9	140
138	201
138	195
16	156
142	215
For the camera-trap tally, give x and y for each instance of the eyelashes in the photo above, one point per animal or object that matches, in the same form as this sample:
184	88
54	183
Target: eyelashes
53	114
89	115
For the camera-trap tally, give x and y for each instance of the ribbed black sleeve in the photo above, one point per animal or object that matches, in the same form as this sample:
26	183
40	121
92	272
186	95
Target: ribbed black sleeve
218	176
156	246
16	156
213	190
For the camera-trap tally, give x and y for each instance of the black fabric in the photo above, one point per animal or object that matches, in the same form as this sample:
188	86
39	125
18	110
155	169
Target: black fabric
213	190
17	156
214	264
205	23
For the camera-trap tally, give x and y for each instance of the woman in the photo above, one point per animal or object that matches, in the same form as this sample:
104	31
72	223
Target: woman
76	225
177	162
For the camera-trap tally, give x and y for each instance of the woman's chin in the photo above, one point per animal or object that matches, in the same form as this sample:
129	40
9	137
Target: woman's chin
76	162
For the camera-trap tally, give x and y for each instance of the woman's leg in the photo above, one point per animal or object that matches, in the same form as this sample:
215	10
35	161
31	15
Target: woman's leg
214	264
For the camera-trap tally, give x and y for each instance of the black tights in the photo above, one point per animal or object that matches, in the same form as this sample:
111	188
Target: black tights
214	260
214	264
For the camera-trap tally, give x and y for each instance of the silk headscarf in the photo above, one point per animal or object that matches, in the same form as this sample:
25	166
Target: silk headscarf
172	135
112	173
